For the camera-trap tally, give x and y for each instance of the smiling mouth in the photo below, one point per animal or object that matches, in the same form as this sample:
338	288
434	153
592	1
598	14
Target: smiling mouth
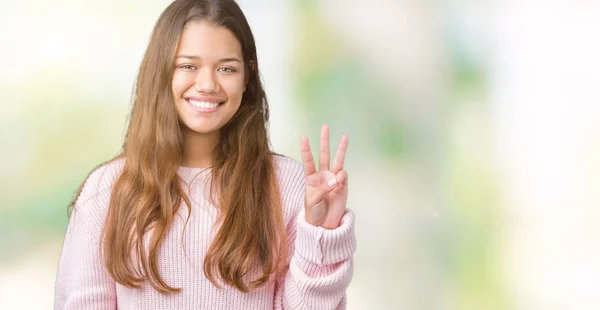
204	106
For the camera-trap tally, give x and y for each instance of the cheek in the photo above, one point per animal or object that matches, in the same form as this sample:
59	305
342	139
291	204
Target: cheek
234	88
179	84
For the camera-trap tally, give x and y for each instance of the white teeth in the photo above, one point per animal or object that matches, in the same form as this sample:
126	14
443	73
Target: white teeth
203	105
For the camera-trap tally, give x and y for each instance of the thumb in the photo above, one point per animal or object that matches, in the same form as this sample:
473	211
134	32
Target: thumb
320	192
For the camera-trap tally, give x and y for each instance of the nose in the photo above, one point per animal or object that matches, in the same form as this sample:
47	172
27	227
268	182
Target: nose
206	82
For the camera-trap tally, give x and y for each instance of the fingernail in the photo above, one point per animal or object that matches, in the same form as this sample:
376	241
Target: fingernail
332	182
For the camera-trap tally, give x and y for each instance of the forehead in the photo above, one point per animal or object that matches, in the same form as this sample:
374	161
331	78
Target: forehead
204	39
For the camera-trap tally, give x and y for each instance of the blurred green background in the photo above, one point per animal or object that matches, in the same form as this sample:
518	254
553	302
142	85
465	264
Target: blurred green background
474	127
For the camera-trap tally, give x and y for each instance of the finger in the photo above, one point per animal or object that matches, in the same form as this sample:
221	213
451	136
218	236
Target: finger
342	177
307	158
321	191
340	155
324	149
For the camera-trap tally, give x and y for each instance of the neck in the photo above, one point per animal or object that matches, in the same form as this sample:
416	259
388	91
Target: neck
199	149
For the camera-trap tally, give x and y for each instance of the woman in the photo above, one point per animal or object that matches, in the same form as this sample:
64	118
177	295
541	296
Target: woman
197	212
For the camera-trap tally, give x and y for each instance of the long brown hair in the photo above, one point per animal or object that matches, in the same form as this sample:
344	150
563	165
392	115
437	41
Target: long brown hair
147	194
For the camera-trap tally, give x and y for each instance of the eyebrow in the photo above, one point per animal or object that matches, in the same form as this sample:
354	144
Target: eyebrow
228	59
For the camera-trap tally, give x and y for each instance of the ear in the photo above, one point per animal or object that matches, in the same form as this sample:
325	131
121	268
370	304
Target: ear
252	67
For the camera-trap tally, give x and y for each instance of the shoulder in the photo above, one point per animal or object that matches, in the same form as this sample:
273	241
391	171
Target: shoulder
95	194
290	177
288	169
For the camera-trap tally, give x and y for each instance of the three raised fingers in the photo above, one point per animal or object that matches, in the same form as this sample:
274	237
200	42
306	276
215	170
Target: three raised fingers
324	156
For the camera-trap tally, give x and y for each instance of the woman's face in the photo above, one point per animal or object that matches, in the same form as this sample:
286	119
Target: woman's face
208	80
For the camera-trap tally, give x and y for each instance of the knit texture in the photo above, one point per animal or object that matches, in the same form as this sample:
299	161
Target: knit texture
319	271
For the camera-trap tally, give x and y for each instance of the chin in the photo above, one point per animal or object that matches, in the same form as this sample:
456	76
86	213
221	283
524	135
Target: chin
202	130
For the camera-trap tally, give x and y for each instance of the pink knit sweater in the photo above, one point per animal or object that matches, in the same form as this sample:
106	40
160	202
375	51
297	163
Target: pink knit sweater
320	266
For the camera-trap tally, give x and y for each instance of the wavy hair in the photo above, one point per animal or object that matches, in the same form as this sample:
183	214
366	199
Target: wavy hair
146	195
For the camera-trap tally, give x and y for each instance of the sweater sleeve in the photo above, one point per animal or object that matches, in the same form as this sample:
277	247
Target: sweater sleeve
321	264
82	280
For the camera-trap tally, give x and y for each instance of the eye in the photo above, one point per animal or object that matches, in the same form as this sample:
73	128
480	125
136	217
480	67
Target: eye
226	69
187	67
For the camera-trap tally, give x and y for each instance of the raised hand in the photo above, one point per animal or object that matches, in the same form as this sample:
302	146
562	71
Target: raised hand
327	189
